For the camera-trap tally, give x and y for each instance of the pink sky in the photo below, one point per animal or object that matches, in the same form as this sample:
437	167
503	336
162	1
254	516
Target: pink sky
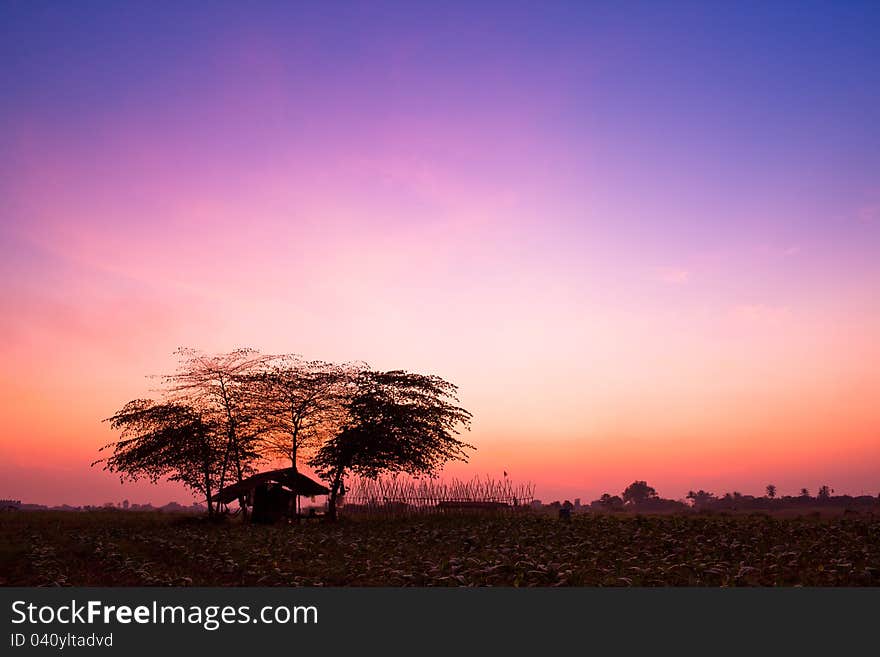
625	280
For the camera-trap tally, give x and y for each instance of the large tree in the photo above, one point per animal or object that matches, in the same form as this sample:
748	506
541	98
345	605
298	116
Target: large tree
638	492
169	440
299	404
219	387
396	421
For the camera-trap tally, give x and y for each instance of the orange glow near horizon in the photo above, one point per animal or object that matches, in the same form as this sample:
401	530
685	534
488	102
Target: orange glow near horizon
631	270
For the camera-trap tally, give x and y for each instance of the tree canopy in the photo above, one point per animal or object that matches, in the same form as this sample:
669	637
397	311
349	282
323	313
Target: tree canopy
638	492
299	404
170	440
216	386
396	421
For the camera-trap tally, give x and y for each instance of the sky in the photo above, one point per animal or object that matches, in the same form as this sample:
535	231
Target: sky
641	238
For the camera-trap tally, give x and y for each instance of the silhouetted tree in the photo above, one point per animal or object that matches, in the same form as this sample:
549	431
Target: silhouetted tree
771	491
701	498
218	387
300	404
610	501
396	422
824	493
169	440
638	492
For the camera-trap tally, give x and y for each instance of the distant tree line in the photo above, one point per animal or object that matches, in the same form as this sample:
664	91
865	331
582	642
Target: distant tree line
825	497
639	496
219	415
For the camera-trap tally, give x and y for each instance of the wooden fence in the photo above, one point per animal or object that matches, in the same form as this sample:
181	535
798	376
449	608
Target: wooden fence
401	495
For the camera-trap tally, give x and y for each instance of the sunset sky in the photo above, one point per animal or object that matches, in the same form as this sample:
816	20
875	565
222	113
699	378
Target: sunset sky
642	238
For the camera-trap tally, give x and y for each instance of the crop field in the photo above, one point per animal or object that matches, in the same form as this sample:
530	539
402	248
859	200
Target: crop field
155	549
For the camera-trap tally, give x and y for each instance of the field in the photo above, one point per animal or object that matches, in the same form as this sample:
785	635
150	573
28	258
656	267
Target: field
155	549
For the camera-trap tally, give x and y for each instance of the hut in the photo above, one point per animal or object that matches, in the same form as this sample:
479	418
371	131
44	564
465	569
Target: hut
273	494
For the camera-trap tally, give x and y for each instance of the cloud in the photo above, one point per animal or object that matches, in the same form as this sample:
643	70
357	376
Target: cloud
869	214
757	313
673	275
777	251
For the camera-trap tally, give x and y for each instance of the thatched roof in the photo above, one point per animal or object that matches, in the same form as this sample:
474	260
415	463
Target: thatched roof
287	477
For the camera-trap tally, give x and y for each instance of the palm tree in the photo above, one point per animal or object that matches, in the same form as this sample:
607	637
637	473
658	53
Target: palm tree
771	491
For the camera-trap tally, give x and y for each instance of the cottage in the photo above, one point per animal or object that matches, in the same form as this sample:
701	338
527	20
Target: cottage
273	494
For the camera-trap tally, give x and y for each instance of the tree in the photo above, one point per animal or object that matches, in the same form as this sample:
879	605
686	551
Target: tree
638	492
219	388
771	491
300	404
610	502
396	421
824	493
170	440
701	498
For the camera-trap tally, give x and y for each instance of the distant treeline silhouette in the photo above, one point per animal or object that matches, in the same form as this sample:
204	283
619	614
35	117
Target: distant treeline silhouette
170	507
639	496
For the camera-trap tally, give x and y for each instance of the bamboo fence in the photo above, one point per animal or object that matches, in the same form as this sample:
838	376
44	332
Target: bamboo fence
402	495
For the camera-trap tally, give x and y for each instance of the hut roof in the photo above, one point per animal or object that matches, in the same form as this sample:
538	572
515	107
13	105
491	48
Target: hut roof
287	477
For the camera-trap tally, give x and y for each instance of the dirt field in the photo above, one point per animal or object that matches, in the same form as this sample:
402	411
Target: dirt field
137	549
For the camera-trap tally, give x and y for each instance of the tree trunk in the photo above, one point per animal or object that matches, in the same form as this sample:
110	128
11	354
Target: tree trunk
297	506
242	502
334	492
208	493
233	444
223	469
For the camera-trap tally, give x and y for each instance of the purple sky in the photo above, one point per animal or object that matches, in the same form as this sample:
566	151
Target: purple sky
642	238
